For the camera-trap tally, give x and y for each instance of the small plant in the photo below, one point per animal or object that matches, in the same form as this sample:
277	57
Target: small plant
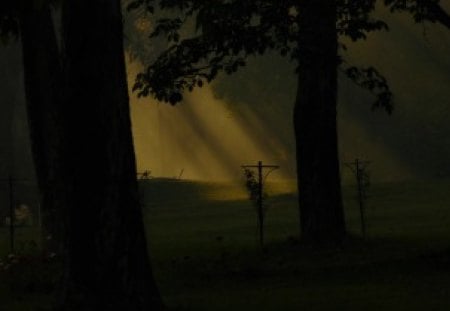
252	185
256	195
362	175
30	273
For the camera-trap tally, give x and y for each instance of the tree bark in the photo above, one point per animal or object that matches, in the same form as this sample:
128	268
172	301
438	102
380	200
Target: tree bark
43	92
315	112
107	266
7	101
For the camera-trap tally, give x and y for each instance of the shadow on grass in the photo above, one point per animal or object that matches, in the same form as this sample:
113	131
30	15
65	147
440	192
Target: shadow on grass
383	263
292	259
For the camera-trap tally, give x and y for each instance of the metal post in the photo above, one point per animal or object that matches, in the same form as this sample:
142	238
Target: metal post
11	214
359	178
259	202
41	234
260	205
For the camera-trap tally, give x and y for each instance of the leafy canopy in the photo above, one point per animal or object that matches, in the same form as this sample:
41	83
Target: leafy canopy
12	10
226	32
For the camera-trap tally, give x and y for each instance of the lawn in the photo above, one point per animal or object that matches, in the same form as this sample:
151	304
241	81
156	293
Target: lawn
206	256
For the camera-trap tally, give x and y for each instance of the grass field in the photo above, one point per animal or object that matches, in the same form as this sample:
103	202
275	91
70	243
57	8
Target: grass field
205	251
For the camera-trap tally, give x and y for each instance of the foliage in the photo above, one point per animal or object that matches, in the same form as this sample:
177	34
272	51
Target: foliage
258	198
30	273
421	10
227	32
372	80
252	185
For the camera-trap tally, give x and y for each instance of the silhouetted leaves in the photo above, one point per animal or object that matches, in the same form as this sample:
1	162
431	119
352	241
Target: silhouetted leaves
370	79
252	185
227	32
421	10
355	21
175	98
134	5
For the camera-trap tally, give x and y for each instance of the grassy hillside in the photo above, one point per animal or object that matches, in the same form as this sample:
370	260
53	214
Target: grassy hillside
206	256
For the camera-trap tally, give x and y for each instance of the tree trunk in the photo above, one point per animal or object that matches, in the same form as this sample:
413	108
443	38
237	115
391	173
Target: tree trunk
43	91
107	266
320	202
7	101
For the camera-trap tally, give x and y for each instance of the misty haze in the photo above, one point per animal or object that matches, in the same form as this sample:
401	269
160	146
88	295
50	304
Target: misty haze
247	155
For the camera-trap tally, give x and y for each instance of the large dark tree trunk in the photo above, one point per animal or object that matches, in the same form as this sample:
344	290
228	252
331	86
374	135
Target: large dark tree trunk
320	202
107	266
7	101
43	90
